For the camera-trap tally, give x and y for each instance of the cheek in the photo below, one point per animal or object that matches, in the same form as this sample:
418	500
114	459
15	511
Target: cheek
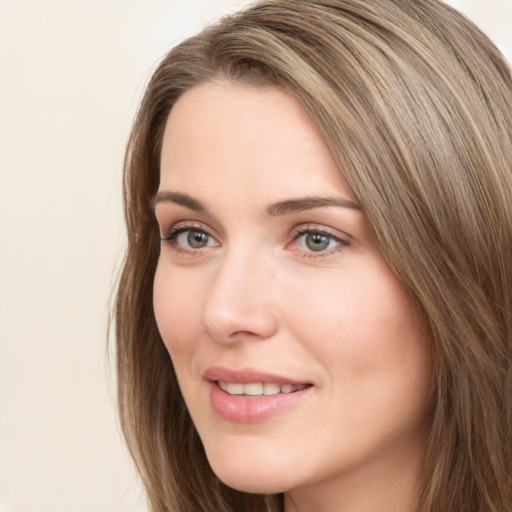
363	328
176	306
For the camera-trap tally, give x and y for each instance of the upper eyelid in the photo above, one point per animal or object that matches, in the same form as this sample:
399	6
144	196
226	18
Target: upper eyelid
294	233
337	240
171	214
187	225
171	237
318	228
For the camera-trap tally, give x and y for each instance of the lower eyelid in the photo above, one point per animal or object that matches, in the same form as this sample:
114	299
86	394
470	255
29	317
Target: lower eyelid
170	236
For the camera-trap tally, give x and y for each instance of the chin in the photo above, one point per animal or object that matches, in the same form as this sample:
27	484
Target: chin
250	482
251	474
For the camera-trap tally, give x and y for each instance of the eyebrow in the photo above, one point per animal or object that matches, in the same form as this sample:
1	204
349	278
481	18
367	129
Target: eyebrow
178	198
307	203
285	207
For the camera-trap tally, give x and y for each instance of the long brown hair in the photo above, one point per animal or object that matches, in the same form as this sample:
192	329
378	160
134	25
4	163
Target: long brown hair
415	104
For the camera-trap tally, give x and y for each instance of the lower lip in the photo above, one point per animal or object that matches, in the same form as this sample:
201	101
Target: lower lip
251	409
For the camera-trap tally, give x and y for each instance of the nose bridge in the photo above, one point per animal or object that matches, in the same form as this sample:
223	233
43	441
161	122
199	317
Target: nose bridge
239	304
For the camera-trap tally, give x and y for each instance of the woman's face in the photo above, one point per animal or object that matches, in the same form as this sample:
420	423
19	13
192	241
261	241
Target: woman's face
296	348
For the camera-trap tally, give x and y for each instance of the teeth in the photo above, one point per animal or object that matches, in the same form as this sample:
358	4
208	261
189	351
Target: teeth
258	388
232	389
271	389
253	389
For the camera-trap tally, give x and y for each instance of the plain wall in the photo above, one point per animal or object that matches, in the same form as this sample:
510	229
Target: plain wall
71	75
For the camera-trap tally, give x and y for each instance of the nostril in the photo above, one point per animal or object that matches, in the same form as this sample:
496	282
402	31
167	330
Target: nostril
245	334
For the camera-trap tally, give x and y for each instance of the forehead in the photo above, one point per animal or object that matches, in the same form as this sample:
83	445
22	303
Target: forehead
248	139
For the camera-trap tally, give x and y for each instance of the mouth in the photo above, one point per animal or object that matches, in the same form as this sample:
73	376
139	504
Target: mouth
255	389
251	396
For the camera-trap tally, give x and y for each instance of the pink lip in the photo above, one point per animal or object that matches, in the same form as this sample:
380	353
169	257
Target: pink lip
246	376
243	409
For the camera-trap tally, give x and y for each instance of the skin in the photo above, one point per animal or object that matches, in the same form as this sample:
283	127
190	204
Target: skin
259	294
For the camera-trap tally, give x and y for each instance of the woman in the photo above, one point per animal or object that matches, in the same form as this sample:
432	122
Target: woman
315	307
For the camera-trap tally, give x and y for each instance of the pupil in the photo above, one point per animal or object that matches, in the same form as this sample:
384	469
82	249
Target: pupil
317	242
197	239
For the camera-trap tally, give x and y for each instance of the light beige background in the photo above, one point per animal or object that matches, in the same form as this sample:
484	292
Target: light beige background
71	75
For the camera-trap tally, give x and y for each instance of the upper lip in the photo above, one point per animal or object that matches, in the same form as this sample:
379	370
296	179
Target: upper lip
247	376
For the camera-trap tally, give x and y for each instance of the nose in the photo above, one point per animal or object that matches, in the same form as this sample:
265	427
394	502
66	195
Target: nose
239	305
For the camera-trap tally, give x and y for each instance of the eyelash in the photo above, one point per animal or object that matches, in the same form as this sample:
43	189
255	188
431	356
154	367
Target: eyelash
303	231
173	233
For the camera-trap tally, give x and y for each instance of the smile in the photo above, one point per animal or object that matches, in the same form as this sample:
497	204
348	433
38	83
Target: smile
258	388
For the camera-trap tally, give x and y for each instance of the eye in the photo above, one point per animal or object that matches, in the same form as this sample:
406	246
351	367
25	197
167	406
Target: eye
189	238
194	239
316	241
